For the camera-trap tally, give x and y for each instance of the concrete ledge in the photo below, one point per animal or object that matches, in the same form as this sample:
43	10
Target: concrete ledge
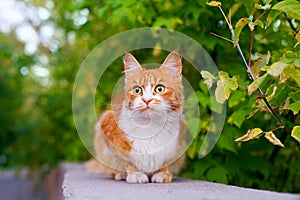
78	184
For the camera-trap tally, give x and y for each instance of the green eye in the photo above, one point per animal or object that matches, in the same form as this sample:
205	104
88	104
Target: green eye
137	90
159	89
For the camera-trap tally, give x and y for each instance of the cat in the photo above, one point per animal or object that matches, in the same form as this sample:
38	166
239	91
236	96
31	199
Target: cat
142	138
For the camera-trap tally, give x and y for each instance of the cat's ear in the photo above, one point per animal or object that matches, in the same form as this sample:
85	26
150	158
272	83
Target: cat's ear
130	63
172	64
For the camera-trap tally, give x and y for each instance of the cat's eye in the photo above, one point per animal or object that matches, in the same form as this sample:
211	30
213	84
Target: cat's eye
159	89
137	90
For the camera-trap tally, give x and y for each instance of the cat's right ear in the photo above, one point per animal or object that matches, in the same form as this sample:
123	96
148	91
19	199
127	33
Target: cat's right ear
130	64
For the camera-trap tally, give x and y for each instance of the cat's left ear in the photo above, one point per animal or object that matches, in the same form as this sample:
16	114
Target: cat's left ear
172	64
130	63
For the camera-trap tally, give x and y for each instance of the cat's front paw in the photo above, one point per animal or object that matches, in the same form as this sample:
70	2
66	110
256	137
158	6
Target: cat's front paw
161	177
120	176
137	177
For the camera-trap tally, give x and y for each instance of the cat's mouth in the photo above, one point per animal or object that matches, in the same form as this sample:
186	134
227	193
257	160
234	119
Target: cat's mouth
147	109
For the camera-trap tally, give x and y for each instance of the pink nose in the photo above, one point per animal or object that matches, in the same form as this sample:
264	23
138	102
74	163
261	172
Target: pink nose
147	101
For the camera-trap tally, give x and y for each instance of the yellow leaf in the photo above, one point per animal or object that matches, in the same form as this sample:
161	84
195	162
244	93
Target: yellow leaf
156	50
220	92
269	97
224	86
251	25
297	37
214	3
296	133
251	134
273	139
242	22
259	63
276	68
208	77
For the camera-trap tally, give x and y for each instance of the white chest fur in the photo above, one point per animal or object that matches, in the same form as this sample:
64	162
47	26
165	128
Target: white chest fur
153	140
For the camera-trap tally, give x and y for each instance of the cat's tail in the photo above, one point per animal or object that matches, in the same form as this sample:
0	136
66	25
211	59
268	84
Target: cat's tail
94	166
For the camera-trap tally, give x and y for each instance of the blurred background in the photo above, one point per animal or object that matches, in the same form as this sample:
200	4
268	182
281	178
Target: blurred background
43	43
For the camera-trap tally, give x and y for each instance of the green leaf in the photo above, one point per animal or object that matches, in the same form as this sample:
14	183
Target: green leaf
296	133
289	57
238	117
226	142
294	73
290	7
240	25
297	62
259	23
250	7
256	83
101	11
276	68
251	134
272	16
169	23
253	113
224	85
192	150
273	139
236	97
295	95
295	107
218	174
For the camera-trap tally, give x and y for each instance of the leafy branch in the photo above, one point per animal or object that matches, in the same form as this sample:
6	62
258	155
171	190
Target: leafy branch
251	76
275	70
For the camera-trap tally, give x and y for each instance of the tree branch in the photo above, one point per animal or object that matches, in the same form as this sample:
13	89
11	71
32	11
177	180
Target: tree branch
251	76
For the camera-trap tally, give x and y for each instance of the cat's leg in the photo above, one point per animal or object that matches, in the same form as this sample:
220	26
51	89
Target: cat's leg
134	176
162	176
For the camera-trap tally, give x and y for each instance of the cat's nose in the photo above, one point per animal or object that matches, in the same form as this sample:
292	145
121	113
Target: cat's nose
147	101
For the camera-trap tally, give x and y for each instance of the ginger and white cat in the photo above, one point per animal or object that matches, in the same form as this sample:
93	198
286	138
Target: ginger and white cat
142	138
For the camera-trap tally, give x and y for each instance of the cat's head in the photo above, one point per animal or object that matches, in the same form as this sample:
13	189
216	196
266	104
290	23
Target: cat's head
154	90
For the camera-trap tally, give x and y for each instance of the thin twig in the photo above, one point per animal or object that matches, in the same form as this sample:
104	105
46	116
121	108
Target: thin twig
252	37
251	76
279	127
251	46
220	36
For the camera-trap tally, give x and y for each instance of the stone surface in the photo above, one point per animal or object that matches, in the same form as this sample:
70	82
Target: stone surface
80	185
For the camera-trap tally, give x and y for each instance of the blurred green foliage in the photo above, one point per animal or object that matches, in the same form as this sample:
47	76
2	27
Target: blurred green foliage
37	127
